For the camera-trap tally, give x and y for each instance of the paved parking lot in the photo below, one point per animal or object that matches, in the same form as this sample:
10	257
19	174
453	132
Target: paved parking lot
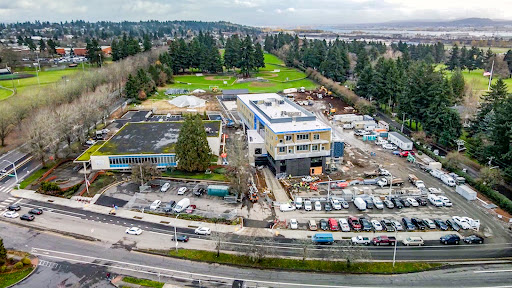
208	206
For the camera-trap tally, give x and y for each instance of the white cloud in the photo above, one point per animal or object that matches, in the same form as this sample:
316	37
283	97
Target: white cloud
291	9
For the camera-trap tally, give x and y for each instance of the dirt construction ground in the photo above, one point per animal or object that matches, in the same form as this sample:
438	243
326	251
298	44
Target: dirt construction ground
163	106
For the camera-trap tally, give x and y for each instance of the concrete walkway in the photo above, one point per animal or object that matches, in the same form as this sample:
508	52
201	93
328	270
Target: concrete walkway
274	186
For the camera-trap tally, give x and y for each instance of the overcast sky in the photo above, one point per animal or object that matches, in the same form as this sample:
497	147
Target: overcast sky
254	12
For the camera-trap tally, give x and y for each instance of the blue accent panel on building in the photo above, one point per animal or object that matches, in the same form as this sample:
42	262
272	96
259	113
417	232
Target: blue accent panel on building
338	149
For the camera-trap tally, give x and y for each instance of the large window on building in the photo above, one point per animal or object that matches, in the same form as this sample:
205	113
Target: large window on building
314	147
288	137
302	147
316	136
281	149
302	137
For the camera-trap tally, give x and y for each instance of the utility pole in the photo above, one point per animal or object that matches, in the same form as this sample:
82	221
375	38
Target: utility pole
403	120
85	177
490	77
176	233
141	177
15	173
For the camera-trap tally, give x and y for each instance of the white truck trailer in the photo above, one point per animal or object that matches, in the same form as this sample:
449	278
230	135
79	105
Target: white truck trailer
400	141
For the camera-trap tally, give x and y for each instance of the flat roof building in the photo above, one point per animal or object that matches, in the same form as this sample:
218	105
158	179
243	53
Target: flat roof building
144	142
295	142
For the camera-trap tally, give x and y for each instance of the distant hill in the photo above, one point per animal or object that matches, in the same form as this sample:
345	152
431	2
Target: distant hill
460	23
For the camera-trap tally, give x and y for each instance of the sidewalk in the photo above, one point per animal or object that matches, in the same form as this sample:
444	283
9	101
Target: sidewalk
274	186
122	213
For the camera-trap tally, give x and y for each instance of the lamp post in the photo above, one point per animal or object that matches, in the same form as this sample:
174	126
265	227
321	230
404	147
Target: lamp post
328	187
15	173
176	234
403	120
394	253
390	185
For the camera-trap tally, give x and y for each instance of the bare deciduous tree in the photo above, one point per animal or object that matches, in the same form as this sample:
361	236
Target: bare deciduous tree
38	135
239	168
6	122
144	172
351	253
257	249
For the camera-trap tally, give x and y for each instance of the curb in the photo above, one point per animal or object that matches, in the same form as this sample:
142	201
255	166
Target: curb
29	274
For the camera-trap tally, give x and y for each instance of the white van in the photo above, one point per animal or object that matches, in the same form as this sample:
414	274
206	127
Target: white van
448	180
298	202
155	205
312	225
434	200
182	205
436	173
360	203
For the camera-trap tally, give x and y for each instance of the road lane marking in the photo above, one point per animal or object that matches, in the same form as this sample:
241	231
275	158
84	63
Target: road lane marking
52	209
492	271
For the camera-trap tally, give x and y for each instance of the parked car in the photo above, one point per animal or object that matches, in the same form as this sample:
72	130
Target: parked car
190	209
28	217
398	226
450	239
408	225
333	224
203	231
376	225
361	132
134	231
323	225
421	201
165	187
354	223
441	224
307	205
155	205
286	207
312	225
389	204
336	204
384	240
14	207
182	190
11	214
294	224
387	225
454	226
169	206
181	238
377	202
418	223
446	201
413	241
474	239
361	240
298	203
397	203
181	205
36	211
429	223
412	202
344	225
389	146
405	202
463	223
365	224
344	204
327	207
369	203
318	206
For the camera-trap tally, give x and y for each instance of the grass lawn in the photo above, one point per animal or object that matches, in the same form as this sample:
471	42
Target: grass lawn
493	49
278	81
476	79
7	279
45	78
308	265
86	156
214	176
33	177
143	282
4	93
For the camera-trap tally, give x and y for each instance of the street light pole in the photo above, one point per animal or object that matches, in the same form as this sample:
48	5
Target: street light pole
403	120
390	185
15	173
394	253
328	187
176	234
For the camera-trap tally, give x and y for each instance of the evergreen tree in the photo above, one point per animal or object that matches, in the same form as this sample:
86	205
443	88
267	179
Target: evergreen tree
259	58
454	61
362	61
508	59
3	252
131	88
193	153
147	43
332	66
42	45
490	101
52	46
94	52
439	52
463	59
232	52
458	85
247	60
366	84
116	50
269	43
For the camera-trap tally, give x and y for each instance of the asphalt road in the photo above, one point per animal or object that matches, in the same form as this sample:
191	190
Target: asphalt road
68	262
432	250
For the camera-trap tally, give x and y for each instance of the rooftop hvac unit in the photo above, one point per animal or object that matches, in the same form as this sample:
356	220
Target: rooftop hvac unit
280	102
268	103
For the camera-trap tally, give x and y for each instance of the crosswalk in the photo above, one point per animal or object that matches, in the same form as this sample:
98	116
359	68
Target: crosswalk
5	189
9	201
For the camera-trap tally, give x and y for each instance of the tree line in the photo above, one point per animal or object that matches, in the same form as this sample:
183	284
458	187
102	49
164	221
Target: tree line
243	54
128	46
475	58
144	82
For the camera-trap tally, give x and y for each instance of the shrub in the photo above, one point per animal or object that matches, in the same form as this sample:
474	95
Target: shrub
26	261
18	265
50	187
3	268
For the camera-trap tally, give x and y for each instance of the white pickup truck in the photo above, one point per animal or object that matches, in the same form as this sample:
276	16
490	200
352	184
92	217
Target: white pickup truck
361	240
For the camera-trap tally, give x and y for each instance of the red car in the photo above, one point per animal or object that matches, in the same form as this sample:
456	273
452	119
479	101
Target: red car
354	223
406	153
333	224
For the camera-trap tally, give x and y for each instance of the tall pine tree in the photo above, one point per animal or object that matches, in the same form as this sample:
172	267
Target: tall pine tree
192	150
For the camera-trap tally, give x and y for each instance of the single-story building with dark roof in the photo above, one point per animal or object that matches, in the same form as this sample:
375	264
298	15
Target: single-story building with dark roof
144	142
231	94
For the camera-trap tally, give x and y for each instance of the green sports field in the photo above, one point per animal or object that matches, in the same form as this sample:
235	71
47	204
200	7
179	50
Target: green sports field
45	78
476	80
278	75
